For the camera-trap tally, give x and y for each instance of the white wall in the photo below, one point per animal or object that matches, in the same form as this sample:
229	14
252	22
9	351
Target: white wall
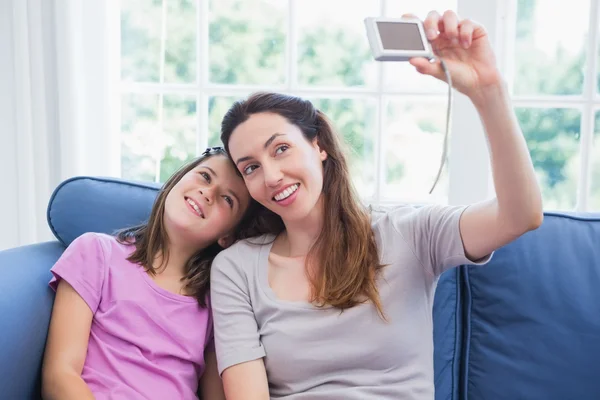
54	109
9	227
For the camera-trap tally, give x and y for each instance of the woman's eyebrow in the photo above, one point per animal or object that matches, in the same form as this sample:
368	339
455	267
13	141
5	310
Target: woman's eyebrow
267	144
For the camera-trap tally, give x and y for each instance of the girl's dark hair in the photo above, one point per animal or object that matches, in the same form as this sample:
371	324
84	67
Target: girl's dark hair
345	250
150	239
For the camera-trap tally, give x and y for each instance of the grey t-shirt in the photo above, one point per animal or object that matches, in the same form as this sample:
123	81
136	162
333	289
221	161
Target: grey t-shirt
323	354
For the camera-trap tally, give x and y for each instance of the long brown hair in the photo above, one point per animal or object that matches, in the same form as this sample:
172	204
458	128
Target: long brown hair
345	249
150	239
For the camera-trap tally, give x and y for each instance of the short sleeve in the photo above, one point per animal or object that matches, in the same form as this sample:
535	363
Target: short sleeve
235	328
82	266
433	232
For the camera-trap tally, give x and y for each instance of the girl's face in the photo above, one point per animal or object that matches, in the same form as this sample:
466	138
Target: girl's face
206	204
282	169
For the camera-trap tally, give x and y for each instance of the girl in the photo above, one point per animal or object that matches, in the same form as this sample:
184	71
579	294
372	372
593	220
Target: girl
128	310
336	302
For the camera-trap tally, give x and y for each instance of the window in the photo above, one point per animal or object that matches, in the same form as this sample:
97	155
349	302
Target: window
552	67
183	63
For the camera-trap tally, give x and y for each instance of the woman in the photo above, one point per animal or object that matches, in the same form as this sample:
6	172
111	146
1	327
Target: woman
336	302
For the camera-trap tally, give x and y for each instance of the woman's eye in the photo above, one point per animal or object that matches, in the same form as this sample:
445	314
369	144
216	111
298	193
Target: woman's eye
281	149
205	176
249	169
229	200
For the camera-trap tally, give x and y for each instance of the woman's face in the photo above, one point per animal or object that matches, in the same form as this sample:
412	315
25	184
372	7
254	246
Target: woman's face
282	170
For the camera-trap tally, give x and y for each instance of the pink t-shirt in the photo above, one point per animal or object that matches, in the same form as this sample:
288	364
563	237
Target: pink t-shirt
145	342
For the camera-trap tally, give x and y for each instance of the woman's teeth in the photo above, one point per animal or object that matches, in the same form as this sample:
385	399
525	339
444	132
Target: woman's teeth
287	192
195	207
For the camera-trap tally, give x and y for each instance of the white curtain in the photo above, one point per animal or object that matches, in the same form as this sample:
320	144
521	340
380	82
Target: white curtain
57	81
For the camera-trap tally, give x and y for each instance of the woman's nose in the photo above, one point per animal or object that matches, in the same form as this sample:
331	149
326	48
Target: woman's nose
273	175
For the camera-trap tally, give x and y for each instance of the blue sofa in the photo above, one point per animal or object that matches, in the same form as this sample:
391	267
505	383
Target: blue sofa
525	326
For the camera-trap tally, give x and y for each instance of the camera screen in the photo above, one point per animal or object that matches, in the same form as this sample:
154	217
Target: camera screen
400	36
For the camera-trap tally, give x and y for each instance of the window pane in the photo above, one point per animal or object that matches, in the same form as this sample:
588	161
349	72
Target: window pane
553	139
412	150
355	120
402	75
180	44
594	203
549	46
140	40
139	134
179	133
247	41
333	49
217	107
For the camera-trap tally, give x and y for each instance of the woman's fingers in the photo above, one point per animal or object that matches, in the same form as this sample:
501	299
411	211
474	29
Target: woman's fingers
432	25
426	67
466	28
450	26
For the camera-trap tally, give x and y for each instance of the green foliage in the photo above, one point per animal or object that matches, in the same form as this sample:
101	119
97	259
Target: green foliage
247	45
246	42
352	120
217	107
330	56
552	134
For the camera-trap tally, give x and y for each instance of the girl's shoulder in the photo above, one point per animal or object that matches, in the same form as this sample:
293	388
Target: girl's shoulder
106	239
104	245
89	242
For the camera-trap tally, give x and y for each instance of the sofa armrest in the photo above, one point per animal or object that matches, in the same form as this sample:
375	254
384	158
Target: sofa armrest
25	307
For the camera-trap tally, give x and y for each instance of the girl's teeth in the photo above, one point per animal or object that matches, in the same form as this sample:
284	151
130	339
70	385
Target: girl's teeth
194	206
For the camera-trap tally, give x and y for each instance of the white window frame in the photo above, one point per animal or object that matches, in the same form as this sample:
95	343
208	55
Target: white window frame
469	171
588	102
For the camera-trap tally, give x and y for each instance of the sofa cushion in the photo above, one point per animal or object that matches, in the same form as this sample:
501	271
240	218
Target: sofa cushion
92	204
25	306
447	335
533	315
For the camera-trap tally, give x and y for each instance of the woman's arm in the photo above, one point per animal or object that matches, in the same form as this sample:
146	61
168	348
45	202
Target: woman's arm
211	386
517	208
66	347
246	381
237	340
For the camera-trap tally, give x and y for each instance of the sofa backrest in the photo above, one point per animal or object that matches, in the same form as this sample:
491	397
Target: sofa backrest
92	204
527	323
78	205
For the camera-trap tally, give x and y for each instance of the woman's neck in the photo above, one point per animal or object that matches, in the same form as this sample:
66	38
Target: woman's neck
301	235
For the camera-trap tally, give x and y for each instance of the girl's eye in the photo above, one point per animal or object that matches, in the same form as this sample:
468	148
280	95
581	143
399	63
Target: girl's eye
281	149
249	169
229	200
206	176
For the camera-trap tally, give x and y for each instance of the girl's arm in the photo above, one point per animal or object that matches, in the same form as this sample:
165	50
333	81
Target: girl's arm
66	347
211	386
